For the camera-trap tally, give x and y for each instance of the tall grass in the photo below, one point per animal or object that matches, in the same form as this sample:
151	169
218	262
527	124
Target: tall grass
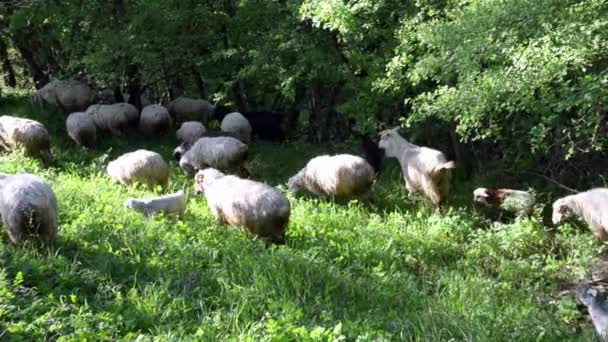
396	271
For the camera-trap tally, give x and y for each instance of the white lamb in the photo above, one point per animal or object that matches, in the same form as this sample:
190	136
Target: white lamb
154	120
28	208
187	109
258	207
342	175
28	134
190	131
222	153
236	123
169	204
81	128
424	169
141	166
591	206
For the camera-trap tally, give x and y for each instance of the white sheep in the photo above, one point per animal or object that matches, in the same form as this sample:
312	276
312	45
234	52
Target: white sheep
154	120
70	96
236	123
142	166
28	207
222	153
28	134
81	128
190	131
595	302
187	109
425	170
591	206
258	207
115	118
342	176
169	204
514	201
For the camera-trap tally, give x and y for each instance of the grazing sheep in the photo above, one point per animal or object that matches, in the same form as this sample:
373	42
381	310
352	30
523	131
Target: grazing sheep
28	208
154	120
597	306
115	118
169	204
424	169
70	96
190	132
81	128
591	206
258	207
141	166
342	175
222	153
31	135
236	123
265	125
179	151
514	201
185	109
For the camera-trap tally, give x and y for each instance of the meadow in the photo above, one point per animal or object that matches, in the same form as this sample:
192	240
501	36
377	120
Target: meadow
349	271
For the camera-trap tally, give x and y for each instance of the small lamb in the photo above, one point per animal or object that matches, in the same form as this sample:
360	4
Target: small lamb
424	169
591	206
258	207
513	201
342	175
169	204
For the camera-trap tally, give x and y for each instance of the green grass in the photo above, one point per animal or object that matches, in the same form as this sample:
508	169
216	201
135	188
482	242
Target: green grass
348	272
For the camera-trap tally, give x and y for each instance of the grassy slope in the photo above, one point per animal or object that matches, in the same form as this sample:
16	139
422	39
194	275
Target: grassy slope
396	272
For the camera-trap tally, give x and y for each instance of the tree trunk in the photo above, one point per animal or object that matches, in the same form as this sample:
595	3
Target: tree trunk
40	77
134	85
460	153
314	121
9	77
200	83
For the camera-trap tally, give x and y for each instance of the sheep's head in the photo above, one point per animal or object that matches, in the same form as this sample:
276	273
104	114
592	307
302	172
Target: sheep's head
561	210
204	178
391	142
296	182
180	150
588	295
130	203
480	195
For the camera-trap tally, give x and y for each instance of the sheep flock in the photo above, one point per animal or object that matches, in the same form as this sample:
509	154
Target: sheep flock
217	163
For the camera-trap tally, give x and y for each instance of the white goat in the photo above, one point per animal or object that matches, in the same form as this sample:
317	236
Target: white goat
424	169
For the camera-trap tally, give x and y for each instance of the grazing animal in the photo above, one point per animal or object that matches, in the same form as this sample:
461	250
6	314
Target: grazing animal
236	123
591	206
70	96
342	175
179	151
265	125
186	109
597	306
28	207
154	120
424	169
222	153
81	128
514	201
190	131
28	134
140	166
258	207
116	118
169	204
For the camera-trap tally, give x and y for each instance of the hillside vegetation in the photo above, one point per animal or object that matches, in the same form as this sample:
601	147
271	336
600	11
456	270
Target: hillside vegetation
397	271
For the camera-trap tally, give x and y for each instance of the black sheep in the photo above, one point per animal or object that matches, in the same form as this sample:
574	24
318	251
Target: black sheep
265	125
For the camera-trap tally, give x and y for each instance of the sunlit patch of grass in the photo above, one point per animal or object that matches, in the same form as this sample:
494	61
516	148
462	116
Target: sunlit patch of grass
349	271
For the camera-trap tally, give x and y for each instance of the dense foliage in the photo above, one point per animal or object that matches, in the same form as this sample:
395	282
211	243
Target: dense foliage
516	79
